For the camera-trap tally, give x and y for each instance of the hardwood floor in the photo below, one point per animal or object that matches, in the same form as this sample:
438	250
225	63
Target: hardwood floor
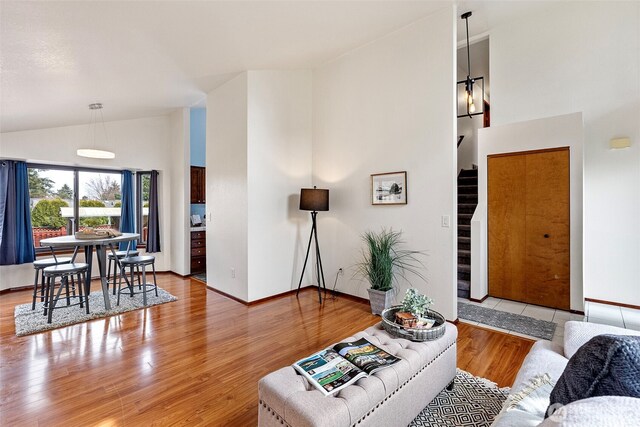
195	361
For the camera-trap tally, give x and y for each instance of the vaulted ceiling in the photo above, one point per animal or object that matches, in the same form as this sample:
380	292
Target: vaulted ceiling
148	58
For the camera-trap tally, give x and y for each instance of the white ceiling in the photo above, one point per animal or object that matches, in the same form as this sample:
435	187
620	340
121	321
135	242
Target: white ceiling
147	58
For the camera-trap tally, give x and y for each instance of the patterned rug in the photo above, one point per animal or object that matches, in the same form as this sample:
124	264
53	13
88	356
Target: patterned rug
474	401
509	321
29	322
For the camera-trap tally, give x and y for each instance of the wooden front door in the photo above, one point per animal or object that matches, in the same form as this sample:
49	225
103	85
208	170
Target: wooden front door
528	227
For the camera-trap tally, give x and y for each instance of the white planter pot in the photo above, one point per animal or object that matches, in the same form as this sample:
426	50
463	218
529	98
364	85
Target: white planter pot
380	300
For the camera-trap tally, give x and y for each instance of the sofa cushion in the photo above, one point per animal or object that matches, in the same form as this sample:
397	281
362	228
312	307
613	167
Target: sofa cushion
607	365
603	411
576	334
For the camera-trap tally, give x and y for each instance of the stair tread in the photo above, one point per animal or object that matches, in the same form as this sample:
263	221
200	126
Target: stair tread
464	285
464	226
464	252
464	239
466	268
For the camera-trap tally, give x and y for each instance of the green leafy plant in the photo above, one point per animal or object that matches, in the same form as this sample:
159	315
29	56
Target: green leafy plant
383	260
46	213
416	303
95	221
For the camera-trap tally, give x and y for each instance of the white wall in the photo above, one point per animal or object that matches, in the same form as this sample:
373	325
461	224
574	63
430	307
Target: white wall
389	106
468	149
560	131
279	164
138	144
258	158
227	199
180	191
584	57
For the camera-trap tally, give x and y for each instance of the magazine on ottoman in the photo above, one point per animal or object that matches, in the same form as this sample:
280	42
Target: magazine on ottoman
336	367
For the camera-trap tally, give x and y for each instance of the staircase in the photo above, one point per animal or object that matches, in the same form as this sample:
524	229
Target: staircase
467	202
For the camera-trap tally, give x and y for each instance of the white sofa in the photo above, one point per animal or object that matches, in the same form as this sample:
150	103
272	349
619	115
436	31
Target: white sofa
549	358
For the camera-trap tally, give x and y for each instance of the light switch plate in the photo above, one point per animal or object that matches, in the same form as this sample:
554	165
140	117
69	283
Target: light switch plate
446	221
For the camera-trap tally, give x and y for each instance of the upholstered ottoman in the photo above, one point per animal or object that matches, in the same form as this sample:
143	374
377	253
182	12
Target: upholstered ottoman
390	397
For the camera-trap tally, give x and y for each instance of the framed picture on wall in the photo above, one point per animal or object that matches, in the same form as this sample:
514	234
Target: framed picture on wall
389	188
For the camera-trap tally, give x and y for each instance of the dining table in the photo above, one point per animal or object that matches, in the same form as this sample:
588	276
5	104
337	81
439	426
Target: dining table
100	245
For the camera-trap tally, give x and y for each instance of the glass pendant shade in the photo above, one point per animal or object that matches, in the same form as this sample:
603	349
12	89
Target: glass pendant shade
95	154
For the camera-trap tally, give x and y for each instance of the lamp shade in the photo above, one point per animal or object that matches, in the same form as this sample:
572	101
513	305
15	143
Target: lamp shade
314	199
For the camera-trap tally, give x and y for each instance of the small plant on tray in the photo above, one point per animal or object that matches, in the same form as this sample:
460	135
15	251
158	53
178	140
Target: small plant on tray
414	307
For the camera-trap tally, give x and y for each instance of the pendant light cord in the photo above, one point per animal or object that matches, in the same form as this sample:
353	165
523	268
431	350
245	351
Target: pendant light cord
466	20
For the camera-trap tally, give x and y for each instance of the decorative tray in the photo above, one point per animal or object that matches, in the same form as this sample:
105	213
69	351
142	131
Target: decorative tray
413	334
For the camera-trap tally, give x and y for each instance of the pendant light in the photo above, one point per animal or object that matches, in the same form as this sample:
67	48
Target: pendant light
472	103
93	152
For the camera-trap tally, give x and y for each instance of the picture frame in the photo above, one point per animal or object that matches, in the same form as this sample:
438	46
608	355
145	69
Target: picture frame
389	188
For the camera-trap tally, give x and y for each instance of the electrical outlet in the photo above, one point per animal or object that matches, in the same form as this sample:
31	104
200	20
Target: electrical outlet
233	273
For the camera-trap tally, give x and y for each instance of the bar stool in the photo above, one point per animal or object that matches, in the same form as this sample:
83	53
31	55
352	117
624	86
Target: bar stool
39	265
112	279
138	262
64	272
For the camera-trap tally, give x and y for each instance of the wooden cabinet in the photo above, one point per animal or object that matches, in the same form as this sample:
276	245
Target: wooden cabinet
198	252
198	184
528	227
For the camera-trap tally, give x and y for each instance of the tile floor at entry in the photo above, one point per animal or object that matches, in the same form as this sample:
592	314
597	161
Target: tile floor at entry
594	312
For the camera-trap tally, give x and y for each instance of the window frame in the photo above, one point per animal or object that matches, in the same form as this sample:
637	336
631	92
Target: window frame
139	208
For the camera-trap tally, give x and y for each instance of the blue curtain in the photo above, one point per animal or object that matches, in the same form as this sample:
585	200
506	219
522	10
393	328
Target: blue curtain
16	240
153	239
127	215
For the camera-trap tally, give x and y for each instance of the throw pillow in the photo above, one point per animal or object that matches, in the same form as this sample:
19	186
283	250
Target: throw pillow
527	407
607	365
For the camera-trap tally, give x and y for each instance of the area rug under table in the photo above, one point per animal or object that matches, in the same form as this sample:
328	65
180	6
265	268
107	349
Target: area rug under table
512	322
474	401
31	321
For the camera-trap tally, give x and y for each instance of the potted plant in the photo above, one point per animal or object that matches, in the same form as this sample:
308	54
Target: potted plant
383	261
413	309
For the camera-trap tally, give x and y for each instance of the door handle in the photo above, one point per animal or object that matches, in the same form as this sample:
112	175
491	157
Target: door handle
546	236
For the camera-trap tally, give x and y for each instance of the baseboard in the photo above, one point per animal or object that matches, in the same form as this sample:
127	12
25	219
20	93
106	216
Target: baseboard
479	300
351	297
258	301
618	304
17	289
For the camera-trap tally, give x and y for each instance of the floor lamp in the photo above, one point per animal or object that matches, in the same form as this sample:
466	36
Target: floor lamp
314	200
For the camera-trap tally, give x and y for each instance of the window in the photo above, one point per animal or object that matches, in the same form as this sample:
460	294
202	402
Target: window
99	200
52	202
143	183
67	199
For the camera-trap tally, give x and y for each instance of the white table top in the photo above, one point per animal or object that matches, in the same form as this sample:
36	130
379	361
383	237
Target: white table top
71	241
